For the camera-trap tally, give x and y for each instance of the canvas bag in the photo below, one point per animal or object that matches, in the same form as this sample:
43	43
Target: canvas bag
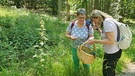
124	35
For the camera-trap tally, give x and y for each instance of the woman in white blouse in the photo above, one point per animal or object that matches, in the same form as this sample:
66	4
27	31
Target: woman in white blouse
112	53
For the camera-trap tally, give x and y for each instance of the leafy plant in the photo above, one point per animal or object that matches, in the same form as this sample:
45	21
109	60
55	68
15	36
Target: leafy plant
21	52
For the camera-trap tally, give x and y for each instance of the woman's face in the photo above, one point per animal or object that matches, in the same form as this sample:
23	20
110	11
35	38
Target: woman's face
81	18
96	20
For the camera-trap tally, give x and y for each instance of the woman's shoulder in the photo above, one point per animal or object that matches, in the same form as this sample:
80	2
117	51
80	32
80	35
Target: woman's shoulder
108	22
108	19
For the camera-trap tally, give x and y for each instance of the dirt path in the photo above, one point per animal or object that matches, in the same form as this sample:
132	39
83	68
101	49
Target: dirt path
130	71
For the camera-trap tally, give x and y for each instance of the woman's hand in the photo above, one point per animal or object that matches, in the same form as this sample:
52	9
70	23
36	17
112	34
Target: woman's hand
95	27
72	37
90	41
68	35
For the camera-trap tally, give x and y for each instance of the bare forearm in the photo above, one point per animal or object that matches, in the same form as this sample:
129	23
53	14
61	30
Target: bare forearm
68	36
109	40
105	41
90	38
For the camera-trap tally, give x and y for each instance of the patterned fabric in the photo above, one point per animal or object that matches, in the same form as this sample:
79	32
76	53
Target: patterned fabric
80	33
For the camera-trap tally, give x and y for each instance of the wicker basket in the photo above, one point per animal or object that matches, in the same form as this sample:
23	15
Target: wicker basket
85	54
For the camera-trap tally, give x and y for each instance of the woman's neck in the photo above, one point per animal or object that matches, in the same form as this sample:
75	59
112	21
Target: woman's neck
80	24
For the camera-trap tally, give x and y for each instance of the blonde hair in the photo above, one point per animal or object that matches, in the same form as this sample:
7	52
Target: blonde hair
98	13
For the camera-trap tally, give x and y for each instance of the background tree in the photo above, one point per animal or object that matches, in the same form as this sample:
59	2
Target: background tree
17	3
114	7
59	9
67	10
127	8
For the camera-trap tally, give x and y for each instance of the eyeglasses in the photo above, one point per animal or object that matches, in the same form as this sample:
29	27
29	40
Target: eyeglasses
94	17
81	17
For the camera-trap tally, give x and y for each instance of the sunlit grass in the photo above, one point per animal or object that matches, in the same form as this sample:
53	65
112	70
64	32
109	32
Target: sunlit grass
58	59
4	11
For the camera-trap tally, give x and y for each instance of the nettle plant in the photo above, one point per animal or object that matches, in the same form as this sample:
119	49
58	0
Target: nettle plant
41	60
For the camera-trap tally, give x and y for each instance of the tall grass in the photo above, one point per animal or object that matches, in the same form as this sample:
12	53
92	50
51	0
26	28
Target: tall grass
21	55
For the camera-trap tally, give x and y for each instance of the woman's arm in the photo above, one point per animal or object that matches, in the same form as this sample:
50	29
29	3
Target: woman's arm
91	36
109	40
68	35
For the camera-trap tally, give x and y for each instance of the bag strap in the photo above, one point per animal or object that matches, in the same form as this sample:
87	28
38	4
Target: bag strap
72	24
118	31
87	25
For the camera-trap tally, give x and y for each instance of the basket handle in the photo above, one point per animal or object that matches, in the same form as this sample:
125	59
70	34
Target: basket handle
92	45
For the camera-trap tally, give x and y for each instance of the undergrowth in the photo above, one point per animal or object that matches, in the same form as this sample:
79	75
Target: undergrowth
22	52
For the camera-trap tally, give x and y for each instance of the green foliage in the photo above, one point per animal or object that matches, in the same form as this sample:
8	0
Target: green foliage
127	8
4	2
21	53
17	34
7	21
25	32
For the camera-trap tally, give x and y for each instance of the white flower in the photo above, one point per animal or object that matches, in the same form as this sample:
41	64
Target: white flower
42	60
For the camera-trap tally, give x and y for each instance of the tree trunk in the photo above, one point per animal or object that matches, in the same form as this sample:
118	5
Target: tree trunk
91	6
84	5
89	9
96	4
67	11
17	3
59	9
107	5
33	4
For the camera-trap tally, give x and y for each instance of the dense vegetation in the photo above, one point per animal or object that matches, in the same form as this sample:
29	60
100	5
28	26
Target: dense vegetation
124	8
24	52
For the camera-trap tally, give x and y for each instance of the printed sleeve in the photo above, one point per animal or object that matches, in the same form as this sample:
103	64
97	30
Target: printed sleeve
108	26
69	28
91	31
